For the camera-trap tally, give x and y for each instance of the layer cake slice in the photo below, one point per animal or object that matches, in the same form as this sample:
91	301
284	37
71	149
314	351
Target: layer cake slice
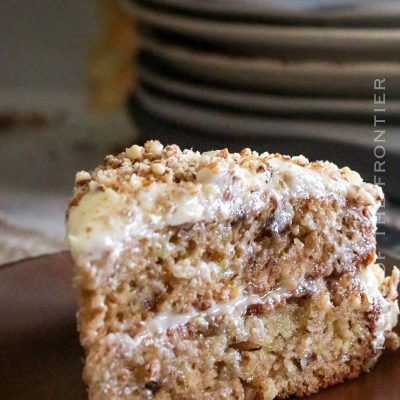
226	276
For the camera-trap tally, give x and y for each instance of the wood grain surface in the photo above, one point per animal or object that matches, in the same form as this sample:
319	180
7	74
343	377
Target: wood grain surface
40	357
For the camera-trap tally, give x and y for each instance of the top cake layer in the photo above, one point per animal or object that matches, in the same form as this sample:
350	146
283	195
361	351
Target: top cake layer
146	188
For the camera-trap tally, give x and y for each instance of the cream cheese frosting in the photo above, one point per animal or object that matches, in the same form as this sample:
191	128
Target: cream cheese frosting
235	309
220	186
370	278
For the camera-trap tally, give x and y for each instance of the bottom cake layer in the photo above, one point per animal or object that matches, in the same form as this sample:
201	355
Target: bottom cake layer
252	348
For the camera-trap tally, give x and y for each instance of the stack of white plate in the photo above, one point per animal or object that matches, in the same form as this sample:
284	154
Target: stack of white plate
266	73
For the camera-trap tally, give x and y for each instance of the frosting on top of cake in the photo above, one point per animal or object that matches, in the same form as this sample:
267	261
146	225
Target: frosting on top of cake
144	188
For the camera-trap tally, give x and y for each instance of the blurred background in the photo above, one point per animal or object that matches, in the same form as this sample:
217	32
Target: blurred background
80	80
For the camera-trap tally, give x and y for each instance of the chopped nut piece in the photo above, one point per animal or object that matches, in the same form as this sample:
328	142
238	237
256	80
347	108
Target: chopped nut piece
245	152
157	169
82	176
154	148
134	152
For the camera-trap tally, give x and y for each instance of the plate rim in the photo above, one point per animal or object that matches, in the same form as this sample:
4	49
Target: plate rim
266	73
182	113
332	13
224	31
266	102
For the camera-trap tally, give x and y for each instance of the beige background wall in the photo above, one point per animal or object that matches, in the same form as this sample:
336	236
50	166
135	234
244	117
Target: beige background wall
44	42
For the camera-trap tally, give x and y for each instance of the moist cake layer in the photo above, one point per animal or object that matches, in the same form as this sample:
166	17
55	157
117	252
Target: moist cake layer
297	346
179	268
177	249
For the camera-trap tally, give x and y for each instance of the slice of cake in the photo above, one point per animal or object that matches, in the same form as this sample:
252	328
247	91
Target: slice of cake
226	276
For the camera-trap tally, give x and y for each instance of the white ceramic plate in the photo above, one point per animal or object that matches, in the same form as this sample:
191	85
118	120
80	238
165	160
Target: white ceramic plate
297	77
342	11
247	101
318	42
